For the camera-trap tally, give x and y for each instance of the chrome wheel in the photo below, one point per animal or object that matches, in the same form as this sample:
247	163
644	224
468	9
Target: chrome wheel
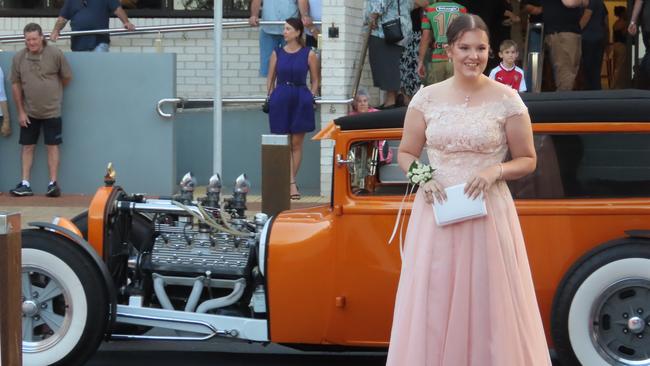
64	302
46	309
601	310
621	322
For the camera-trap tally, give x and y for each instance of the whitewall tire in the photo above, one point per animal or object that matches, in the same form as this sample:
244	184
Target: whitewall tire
601	315
64	302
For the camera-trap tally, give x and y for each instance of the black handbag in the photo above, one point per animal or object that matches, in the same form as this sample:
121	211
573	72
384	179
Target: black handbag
265	106
393	28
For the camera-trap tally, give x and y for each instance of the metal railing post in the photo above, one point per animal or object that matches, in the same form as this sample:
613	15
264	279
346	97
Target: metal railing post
534	57
276	173
10	304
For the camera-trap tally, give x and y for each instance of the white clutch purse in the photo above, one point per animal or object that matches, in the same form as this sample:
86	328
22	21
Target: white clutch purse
458	207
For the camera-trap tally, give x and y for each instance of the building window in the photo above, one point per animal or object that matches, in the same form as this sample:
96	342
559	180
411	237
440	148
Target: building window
135	8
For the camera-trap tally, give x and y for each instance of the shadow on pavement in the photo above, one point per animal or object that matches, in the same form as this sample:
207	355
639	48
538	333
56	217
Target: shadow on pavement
103	358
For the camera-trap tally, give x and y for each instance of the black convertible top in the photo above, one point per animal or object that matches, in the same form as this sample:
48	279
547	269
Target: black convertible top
629	105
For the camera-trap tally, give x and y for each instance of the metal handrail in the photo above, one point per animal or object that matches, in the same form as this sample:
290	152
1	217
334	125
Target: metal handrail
191	103
16	38
534	60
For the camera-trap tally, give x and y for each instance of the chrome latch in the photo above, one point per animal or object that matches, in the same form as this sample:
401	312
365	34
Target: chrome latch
349	162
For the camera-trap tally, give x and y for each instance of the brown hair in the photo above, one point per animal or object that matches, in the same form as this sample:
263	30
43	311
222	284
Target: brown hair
508	43
464	23
33	27
296	24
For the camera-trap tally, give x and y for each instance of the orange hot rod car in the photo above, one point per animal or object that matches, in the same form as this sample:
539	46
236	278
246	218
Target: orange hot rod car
325	276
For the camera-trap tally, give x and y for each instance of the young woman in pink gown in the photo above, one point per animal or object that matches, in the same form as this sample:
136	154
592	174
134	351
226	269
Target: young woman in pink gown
465	295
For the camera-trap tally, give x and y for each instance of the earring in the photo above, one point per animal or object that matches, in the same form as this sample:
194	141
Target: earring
450	60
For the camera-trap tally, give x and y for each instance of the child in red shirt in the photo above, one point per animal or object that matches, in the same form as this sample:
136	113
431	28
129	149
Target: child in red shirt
507	72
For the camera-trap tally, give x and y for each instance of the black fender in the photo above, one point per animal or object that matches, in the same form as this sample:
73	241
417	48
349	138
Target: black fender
90	251
644	234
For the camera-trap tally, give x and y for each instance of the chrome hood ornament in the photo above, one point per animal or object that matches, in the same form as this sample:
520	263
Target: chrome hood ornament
109	178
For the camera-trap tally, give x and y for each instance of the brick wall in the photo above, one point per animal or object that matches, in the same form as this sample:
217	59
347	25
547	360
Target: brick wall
339	58
195	59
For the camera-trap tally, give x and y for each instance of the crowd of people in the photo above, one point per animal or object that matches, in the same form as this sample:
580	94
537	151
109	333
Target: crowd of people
465	121
576	37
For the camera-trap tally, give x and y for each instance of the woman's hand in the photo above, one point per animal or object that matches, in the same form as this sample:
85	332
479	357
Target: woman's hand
632	29
482	181
433	191
5	130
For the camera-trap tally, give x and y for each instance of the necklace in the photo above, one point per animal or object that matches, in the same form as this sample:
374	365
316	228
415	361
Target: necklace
466	91
466	95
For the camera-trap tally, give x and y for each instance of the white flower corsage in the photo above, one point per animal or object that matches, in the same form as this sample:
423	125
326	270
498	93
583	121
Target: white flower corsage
419	173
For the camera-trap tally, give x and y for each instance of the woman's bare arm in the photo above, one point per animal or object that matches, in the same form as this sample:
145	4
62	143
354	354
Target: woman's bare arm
314	72
270	78
519	133
413	139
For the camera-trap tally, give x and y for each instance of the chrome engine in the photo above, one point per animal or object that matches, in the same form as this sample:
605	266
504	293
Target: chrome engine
202	244
184	246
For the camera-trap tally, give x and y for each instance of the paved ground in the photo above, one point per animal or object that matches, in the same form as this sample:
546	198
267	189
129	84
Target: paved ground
162	358
41	208
224	353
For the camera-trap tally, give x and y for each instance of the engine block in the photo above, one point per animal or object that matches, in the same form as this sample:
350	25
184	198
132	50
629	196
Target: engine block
185	247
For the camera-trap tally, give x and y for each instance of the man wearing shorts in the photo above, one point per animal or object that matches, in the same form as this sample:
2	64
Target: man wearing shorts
38	74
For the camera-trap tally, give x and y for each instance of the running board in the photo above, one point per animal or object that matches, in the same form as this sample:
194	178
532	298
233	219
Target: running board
208	325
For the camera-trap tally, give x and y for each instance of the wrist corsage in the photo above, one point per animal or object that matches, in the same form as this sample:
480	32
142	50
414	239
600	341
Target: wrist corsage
419	173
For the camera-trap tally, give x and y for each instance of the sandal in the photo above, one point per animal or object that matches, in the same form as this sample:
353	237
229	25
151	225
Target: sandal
295	196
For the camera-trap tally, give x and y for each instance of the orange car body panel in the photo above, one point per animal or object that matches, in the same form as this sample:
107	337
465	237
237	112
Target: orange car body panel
96	217
66	224
300	275
332	276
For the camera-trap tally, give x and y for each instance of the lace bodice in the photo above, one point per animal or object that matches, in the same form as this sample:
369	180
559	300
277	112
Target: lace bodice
463	139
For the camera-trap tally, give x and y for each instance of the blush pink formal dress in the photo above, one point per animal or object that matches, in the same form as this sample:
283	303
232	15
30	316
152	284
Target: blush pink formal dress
465	294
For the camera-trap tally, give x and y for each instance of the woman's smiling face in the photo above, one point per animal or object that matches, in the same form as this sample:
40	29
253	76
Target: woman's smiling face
470	53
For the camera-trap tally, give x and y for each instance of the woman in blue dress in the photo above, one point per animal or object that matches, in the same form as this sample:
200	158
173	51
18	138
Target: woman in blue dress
291	102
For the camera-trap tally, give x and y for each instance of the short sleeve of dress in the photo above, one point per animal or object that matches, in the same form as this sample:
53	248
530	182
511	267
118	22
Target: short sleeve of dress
514	105
419	101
